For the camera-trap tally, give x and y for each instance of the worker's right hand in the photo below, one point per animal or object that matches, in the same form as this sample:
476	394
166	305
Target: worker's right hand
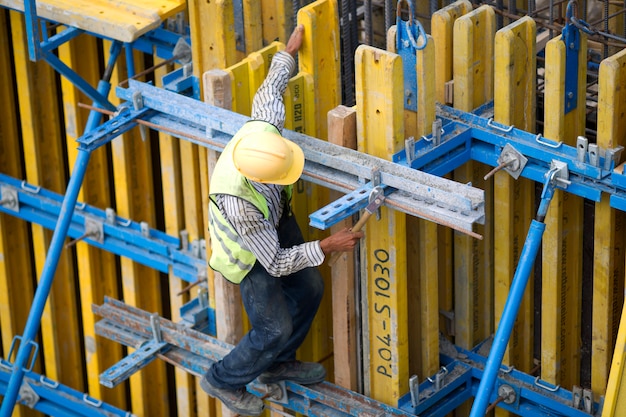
342	241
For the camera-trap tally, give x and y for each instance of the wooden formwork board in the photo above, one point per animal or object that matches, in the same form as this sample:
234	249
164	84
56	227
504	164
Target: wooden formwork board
46	167
16	271
609	256
380	132
514	104
134	199
120	20
562	240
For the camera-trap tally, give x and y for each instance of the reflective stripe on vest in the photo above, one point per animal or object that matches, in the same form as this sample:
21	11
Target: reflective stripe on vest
228	256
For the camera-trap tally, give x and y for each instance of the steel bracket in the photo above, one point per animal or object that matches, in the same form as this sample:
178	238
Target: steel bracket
571	38
410	37
9	199
27	395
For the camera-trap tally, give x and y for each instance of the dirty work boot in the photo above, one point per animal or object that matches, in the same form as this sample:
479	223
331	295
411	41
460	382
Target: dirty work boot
304	373
239	400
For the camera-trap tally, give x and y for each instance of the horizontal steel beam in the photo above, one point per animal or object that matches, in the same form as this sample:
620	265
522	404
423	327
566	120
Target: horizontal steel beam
411	191
105	230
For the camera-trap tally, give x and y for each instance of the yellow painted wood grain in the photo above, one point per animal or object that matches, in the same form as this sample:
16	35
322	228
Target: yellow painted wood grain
380	132
562	240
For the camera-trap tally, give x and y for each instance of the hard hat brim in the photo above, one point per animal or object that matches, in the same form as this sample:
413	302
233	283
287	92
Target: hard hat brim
297	166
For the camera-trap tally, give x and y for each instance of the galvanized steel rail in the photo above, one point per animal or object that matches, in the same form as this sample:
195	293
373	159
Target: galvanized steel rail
194	352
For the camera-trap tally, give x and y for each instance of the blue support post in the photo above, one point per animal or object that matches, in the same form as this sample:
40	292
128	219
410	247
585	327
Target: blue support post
45	283
56	245
513	301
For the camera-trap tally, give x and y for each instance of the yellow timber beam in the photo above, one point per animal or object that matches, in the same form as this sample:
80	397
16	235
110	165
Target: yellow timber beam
380	132
46	167
514	104
16	272
442	24
615	400
473	85
141	286
319	59
608	240
562	240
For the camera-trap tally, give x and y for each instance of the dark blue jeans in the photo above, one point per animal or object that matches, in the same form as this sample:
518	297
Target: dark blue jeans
280	311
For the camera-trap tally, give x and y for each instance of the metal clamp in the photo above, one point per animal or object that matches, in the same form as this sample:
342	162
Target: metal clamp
558	174
439	378
27	395
507	393
10	200
414	389
541	384
92	401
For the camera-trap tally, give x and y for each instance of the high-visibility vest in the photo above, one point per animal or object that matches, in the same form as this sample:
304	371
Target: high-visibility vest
228	255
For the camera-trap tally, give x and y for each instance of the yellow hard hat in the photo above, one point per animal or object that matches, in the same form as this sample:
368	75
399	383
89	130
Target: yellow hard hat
268	158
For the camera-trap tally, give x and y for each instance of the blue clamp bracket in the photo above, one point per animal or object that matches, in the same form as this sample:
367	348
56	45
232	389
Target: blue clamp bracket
342	208
571	37
408	42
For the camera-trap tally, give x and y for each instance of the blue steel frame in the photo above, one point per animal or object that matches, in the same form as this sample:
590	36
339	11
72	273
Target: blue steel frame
466	136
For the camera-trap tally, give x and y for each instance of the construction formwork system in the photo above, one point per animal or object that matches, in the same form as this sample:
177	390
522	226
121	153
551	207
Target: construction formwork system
428	299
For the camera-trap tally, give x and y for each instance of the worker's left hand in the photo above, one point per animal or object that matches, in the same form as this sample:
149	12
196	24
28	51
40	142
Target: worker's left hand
295	40
342	241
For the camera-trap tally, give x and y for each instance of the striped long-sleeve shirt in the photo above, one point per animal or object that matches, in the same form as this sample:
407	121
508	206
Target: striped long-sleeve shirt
259	234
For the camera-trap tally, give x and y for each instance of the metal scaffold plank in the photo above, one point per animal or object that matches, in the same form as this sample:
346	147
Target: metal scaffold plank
514	104
380	133
473	86
442	24
45	167
134	198
16	282
96	268
562	241
609	256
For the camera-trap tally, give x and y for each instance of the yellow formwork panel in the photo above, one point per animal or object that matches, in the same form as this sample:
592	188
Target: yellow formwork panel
253	27
277	20
214	47
615	400
96	268
380	132
473	85
320	57
562	240
248	74
422	235
514	104
174	217
442	24
121	20
141	287
608	266
16	274
45	167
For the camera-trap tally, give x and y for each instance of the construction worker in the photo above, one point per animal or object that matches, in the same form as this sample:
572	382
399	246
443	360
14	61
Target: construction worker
257	244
